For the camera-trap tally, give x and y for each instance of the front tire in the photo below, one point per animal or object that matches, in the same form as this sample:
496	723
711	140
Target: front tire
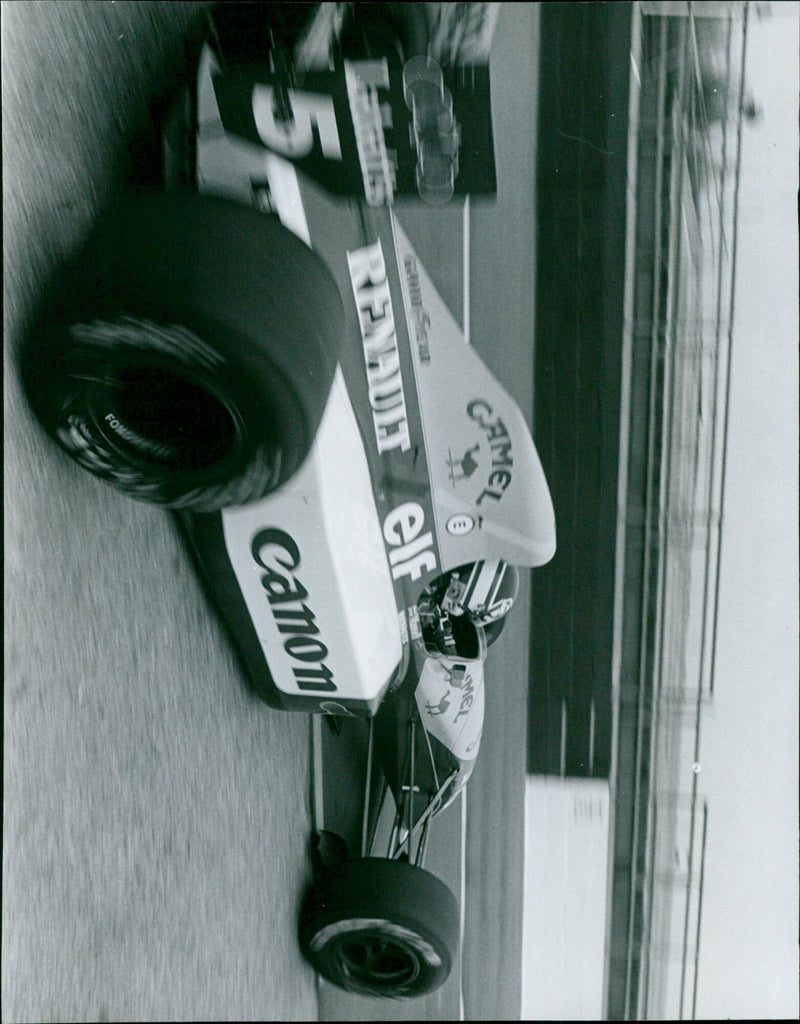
186	354
381	928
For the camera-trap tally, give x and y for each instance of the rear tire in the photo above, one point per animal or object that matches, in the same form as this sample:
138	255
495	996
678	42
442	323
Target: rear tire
186	354
381	928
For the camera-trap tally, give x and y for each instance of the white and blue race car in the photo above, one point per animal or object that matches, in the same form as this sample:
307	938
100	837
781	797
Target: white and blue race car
260	348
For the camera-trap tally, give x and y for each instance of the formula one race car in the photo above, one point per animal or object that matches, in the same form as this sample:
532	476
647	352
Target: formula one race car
356	487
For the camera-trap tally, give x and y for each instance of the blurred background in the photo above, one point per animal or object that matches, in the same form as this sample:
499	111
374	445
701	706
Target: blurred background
627	844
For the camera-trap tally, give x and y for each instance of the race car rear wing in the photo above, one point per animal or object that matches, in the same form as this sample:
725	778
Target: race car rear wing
374	128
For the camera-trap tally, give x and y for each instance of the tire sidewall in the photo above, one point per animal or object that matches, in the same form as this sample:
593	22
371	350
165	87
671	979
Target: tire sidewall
253	295
356	898
75	415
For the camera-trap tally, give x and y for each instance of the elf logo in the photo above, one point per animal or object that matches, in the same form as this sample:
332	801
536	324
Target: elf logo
411	552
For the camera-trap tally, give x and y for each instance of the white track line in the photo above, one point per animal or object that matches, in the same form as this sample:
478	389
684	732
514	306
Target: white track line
463	893
466	264
318	809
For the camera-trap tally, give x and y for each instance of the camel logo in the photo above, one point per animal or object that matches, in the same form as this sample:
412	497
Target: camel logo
450	702
440	708
499	440
463	468
454	678
497	461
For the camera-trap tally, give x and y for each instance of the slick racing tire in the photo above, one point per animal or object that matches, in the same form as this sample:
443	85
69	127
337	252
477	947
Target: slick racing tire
186	354
382	928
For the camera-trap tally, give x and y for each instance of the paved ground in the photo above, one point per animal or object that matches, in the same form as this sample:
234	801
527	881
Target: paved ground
155	817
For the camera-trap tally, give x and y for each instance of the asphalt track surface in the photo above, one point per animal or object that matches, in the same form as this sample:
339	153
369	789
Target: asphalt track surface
155	817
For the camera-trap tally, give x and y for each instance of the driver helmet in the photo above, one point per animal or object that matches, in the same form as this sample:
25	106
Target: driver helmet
484	591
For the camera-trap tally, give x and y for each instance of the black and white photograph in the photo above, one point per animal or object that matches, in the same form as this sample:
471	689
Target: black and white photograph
401	501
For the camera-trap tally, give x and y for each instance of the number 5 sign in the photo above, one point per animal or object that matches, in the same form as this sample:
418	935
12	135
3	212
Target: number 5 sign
310	118
351	129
